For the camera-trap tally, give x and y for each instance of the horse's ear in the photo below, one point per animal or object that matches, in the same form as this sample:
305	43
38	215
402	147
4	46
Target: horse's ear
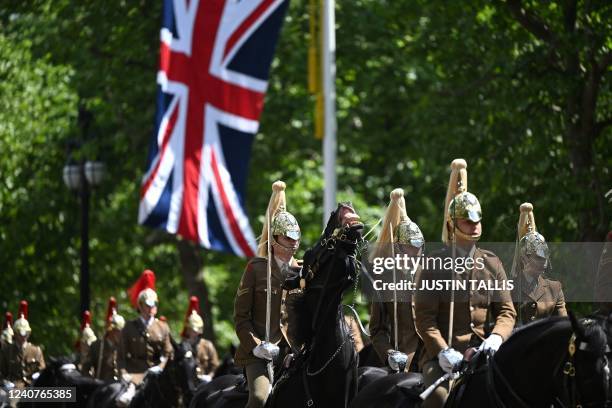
576	326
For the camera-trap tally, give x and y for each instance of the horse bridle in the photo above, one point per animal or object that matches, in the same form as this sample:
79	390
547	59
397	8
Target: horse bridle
569	373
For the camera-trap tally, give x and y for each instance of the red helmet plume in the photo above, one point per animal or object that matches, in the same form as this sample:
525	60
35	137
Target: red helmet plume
145	281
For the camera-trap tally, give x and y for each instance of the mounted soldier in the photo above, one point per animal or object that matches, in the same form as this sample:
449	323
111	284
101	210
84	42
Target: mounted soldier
21	361
102	359
145	345
6	337
203	349
535	295
86	338
450	321
392	323
257	308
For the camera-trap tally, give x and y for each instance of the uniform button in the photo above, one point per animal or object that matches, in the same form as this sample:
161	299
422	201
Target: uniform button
471	308
533	305
472	325
532	317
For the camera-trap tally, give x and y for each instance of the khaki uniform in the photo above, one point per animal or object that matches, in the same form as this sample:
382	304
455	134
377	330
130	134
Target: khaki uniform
207	358
109	368
143	347
354	331
470	315
18	364
382	330
250	309
539	301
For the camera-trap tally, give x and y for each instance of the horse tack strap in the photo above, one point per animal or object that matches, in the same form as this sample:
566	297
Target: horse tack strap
309	400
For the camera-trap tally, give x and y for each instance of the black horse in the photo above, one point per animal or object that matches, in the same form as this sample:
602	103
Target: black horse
62	372
555	361
174	386
325	371
228	365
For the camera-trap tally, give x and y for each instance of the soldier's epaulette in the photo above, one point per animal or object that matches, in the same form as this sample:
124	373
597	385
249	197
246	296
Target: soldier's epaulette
487	253
255	261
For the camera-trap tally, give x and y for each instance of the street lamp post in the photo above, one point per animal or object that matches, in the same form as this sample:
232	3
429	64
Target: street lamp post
82	177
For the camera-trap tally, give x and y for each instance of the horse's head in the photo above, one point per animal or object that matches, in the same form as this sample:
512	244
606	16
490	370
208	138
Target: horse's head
587	364
185	366
55	372
330	267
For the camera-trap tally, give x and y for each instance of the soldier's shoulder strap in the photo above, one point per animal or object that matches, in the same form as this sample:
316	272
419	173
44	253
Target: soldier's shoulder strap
256	262
487	253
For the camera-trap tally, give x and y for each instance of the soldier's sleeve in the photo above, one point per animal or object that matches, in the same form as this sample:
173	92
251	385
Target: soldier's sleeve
243	305
168	351
122	350
379	330
503	308
426	309
214	358
560	309
88	359
40	359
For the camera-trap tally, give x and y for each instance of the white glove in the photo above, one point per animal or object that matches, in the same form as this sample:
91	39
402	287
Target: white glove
449	359
397	360
155	370
126	377
8	385
491	343
36	375
266	351
205	378
124	399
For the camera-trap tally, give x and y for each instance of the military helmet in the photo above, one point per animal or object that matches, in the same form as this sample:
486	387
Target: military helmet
459	204
147	297
22	326
193	320
466	206
87	334
409	233
284	223
277	220
113	319
143	290
7	329
531	242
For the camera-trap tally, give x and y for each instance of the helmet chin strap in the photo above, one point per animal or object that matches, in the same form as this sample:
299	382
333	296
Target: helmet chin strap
462	235
290	249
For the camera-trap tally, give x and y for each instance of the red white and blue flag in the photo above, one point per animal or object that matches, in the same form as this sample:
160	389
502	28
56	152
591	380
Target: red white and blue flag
213	73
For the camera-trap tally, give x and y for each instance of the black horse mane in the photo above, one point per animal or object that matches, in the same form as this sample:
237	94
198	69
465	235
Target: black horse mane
591	332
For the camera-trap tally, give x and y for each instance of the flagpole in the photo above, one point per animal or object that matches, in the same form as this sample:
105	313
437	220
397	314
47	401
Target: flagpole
328	67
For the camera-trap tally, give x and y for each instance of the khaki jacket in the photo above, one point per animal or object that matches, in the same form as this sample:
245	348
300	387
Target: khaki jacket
250	309
18	364
382	330
142	348
207	358
109	368
470	308
542	300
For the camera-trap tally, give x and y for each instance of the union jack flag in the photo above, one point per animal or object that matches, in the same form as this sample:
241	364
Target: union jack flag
215	58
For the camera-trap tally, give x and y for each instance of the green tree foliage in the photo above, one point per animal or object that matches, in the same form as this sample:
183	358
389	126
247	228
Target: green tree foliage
519	89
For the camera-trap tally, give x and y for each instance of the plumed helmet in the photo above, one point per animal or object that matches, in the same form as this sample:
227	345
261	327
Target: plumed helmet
22	326
7	329
531	242
459	203
87	334
113	319
143	290
282	222
193	319
397	227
